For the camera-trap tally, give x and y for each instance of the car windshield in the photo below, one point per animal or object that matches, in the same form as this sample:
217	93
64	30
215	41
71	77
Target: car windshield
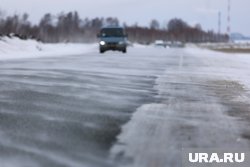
112	32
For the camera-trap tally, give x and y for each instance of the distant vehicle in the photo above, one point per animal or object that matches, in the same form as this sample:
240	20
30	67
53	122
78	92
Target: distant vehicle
169	44
112	38
160	43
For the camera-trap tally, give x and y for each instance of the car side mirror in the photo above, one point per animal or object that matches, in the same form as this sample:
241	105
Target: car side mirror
98	35
126	35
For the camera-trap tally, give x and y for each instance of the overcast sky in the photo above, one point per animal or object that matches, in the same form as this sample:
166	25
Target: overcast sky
204	12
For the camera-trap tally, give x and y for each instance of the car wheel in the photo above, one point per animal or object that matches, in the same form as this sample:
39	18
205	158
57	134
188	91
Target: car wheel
124	50
101	51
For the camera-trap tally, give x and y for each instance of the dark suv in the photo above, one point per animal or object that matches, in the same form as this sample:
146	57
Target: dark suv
112	38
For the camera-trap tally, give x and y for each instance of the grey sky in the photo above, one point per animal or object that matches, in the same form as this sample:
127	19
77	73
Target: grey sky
204	12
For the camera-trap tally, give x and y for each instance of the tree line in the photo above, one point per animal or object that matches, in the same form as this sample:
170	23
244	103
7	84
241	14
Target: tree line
69	27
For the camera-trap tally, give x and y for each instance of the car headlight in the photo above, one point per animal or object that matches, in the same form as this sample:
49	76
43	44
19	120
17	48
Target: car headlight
102	43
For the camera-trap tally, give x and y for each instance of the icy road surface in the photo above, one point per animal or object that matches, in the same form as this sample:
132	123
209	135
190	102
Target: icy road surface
122	110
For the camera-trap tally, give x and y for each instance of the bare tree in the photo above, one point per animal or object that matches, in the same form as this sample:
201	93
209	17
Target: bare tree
69	27
154	24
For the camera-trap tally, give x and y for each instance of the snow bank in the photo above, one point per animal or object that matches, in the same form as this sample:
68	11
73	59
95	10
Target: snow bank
234	45
15	48
234	67
137	45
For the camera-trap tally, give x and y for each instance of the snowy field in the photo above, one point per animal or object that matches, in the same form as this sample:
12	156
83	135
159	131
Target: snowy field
232	45
72	106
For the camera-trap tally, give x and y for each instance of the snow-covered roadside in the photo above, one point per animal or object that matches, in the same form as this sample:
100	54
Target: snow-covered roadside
235	66
15	48
194	95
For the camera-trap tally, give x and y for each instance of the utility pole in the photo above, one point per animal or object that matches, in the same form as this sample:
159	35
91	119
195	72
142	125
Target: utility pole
219	27
229	19
219	23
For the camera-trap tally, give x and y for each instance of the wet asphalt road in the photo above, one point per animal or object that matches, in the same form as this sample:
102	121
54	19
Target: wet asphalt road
111	110
68	111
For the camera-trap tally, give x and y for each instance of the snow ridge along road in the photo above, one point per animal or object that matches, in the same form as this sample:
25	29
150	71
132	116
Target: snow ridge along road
12	48
194	96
